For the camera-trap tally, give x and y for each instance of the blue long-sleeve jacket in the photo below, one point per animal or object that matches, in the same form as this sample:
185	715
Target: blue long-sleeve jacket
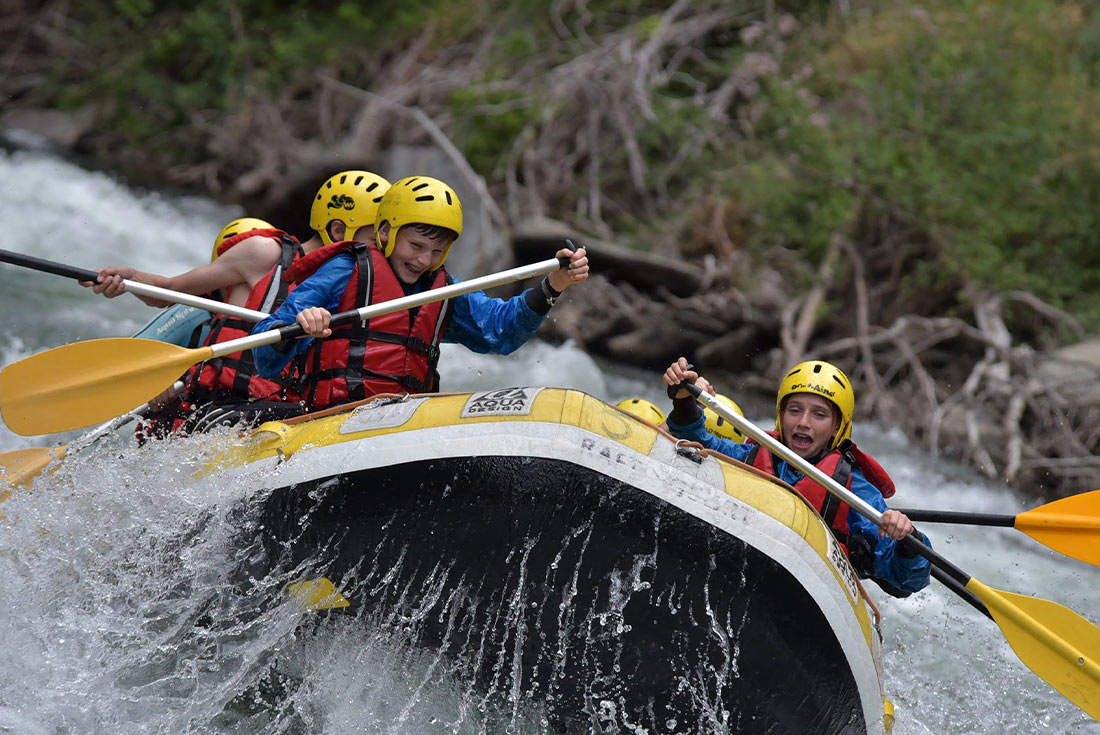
908	574
479	322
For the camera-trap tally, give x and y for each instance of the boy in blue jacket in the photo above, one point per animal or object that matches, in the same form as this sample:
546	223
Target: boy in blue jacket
419	218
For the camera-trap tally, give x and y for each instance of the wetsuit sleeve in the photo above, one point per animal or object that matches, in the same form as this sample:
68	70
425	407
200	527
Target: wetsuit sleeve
685	411
324	288
908	574
485	324
696	431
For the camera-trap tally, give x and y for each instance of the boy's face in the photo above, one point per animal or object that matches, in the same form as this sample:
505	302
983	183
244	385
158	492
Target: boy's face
413	253
809	423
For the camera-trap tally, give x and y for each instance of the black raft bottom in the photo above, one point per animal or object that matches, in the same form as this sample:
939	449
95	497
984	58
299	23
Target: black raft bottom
603	607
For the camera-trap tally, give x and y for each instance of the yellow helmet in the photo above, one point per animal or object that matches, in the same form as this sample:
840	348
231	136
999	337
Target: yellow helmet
419	200
349	196
823	379
719	426
643	409
236	227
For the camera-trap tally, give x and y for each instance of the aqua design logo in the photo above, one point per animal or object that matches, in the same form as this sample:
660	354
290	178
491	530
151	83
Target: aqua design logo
507	402
341	201
815	388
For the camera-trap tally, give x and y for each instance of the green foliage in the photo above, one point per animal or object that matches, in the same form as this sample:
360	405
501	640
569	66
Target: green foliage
136	11
210	55
794	190
487	121
974	120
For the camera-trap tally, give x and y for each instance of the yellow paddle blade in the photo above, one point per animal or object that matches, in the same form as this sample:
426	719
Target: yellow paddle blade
1056	643
85	383
317	594
1070	526
21	466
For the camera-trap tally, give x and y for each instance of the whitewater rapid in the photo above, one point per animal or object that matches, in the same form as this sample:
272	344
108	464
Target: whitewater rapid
117	615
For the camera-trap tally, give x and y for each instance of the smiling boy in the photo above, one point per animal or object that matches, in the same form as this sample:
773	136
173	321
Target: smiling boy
418	221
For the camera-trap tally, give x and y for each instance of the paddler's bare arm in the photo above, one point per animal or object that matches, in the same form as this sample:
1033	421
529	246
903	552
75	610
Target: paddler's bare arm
244	264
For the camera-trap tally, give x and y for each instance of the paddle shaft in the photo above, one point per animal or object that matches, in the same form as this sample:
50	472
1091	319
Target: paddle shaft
135	287
1070	526
294	331
912	542
950	516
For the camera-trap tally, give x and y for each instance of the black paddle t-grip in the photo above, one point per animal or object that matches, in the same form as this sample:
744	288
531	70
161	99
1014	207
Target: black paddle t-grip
563	260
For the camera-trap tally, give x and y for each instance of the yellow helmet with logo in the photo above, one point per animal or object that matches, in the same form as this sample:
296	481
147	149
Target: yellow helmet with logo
419	200
719	426
349	196
643	409
237	227
823	379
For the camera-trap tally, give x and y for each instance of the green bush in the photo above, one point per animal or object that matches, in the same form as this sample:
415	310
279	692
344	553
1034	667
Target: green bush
974	120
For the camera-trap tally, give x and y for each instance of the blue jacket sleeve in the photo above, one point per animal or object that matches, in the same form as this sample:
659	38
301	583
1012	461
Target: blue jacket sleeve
696	431
324	288
485	324
891	565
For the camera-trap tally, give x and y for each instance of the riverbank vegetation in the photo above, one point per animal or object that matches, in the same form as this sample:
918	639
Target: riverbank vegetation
908	188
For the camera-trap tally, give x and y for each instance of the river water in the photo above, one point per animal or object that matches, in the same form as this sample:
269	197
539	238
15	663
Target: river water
113	606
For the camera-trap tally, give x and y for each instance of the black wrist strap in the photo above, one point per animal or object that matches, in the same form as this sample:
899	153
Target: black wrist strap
549	292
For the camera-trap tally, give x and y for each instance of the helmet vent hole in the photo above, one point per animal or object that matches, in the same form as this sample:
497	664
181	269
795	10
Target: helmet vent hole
426	198
418	188
373	186
817	368
448	195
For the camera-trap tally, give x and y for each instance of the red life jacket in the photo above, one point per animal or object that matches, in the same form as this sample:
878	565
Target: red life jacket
233	378
392	353
837	464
